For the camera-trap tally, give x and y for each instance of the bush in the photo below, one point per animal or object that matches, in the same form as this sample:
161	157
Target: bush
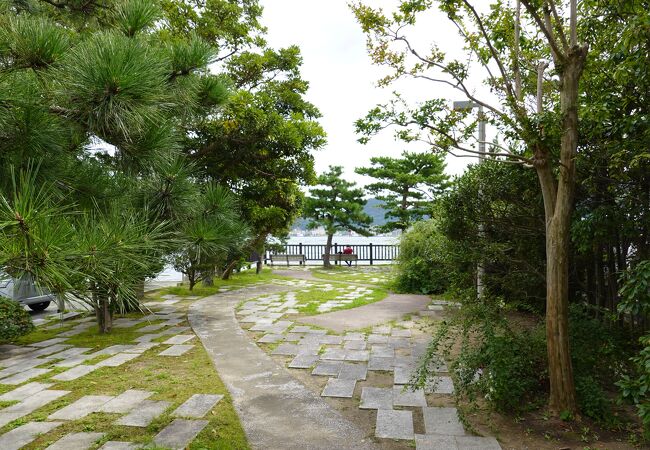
422	266
14	320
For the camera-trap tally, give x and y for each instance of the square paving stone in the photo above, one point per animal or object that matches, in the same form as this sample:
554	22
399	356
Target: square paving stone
407	397
176	350
357	355
477	443
286	350
74	373
119	445
180	339
23	435
22	392
382	350
27	375
442	385
393	424
381	363
403	375
126	401
336	387
435	442
76	441
303	361
442	421
336	354
354	337
376	398
308	349
330	339
355	345
144	414
180	433
328	368
398	342
270	338
377	339
197	406
353	371
81	408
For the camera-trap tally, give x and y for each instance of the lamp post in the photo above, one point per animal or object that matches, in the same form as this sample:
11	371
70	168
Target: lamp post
465	106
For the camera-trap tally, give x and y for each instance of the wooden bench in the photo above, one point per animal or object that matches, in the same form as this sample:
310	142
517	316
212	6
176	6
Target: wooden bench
342	257
300	259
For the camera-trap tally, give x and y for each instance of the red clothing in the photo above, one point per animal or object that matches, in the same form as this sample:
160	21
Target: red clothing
347	251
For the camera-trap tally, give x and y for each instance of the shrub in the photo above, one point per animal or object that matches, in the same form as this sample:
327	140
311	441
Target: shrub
14	320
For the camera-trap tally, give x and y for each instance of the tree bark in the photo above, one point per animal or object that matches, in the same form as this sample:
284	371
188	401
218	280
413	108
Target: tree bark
328	250
226	273
104	317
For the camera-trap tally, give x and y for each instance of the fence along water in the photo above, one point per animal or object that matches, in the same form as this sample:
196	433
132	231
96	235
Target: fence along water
370	253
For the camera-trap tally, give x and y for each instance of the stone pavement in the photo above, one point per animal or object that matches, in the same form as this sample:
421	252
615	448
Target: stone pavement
276	411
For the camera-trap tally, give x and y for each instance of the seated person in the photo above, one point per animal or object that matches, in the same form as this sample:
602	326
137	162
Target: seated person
348	251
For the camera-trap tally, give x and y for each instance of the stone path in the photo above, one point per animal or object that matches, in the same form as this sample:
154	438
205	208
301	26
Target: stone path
276	411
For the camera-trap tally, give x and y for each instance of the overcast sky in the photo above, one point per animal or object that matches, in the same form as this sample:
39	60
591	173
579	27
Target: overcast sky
343	80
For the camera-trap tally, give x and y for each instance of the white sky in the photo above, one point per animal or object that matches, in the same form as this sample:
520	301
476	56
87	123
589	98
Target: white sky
343	80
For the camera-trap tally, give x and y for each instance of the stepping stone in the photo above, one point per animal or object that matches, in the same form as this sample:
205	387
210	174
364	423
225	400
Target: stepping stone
400	333
381	363
301	329
81	408
144	414
117	360
126	401
22	392
118	445
74	373
442	385
393	424
435	442
142	347
23	435
308	349
383	351
353	372
336	387
336	354
113	350
28	405
377	339
286	350
180	339
402	375
180	433
398	342
357	355
150	328
354	337
328	368
376	398
477	443
176	350
442	421
355	345
330	339
303	361
406	397
27	375
271	338
197	406
48	342
76	441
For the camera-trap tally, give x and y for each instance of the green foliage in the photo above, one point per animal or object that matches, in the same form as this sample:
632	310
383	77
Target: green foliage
406	185
424	263
636	387
635	290
134	16
14	320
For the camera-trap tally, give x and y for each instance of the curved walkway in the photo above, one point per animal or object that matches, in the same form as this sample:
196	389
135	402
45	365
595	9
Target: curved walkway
276	411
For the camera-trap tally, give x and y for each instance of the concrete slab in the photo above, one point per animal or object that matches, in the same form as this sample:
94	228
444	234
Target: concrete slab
74	373
24	434
477	443
334	354
351	371
393	424
117	360
286	349
180	339
407	397
180	433
176	350
442	421
81	408
357	355
435	442
197	406
144	414
22	392
119	445
336	387
380	363
27	375
303	361
126	401
76	441
328	368
442	385
376	398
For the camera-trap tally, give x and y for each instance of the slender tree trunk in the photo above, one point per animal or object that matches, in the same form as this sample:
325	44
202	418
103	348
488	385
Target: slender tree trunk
104	316
226	273
328	250
191	278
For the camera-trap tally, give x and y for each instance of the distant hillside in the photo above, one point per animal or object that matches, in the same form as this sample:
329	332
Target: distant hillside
373	208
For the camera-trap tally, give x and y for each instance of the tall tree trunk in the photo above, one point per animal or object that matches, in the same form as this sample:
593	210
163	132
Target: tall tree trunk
104	316
226	273
191	278
328	250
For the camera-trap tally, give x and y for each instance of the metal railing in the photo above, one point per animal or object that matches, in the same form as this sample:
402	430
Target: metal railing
366	252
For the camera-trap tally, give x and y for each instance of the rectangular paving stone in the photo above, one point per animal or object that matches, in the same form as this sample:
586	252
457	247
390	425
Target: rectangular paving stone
442	385
357	355
398	342
180	433
336	387
271	338
144	414
303	361
197	406
180	339
22	392
126	401
442	421
377	339
355	345
330	339
328	368
29	405
48	342
407	397
176	350
336	354
301	329
381	363
27	375
74	373
113	350
153	327
382	350
376	398
142	347
76	441
81	408
393	424
354	337
117	360
23	435
477	443
119	445
353	371
435	442
286	350
74	361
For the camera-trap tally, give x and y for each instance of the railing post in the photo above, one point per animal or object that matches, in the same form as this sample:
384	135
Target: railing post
370	246
336	251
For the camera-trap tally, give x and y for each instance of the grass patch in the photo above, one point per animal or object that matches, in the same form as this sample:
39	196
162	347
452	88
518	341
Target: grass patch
376	276
308	302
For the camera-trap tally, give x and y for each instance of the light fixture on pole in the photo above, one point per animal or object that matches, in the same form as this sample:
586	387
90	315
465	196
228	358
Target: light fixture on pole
468	105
